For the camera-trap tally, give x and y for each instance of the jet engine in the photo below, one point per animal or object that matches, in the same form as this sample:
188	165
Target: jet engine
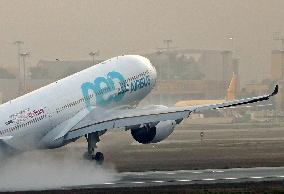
153	133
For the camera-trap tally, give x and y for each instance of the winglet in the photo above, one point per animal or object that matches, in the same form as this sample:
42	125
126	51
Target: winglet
275	91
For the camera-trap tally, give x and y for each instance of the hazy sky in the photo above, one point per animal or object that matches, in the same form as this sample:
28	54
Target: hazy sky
69	29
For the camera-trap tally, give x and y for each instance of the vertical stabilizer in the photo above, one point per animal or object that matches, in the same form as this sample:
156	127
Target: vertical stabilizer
231	92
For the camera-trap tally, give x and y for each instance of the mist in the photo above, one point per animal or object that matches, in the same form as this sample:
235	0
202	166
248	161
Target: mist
196	48
41	170
71	30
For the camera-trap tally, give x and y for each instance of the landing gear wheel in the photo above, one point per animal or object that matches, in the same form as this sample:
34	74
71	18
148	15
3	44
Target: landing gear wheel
93	139
99	157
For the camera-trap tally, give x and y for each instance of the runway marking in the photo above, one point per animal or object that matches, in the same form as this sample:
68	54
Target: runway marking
196	172
256	177
281	176
158	181
231	178
109	183
182	170
219	171
184	180
170	173
208	179
138	182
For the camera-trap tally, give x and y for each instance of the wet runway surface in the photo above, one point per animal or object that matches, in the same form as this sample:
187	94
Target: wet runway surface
184	150
182	177
239	154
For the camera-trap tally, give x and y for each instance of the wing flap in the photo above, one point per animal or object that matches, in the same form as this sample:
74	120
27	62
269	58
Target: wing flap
65	127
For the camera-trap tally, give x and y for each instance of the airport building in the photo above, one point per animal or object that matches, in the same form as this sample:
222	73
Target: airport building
43	73
277	68
171	91
58	69
194	64
191	74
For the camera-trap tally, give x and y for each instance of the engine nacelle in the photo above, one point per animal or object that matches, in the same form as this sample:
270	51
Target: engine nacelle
153	134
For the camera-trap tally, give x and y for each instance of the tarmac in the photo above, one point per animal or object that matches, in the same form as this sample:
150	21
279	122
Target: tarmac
226	155
182	177
219	148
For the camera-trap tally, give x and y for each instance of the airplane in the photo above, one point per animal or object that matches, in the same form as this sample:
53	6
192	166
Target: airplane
231	95
91	102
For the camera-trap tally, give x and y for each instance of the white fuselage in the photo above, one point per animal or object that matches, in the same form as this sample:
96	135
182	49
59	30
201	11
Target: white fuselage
123	80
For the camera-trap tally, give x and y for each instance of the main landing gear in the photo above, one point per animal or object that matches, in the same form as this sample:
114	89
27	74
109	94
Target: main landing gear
93	139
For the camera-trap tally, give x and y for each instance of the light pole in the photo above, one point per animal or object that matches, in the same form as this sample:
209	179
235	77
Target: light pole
24	55
232	40
168	42
18	43
93	54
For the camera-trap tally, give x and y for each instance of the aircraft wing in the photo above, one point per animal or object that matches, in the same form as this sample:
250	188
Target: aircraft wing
100	119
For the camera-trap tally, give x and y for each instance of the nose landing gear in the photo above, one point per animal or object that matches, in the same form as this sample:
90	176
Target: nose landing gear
93	139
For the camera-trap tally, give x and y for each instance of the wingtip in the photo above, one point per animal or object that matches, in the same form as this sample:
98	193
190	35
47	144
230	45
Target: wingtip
275	91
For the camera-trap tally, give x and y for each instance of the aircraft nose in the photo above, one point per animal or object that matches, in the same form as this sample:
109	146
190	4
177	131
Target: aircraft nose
153	75
150	67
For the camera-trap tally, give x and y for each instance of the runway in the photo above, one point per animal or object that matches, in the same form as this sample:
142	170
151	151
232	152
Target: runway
182	177
232	158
